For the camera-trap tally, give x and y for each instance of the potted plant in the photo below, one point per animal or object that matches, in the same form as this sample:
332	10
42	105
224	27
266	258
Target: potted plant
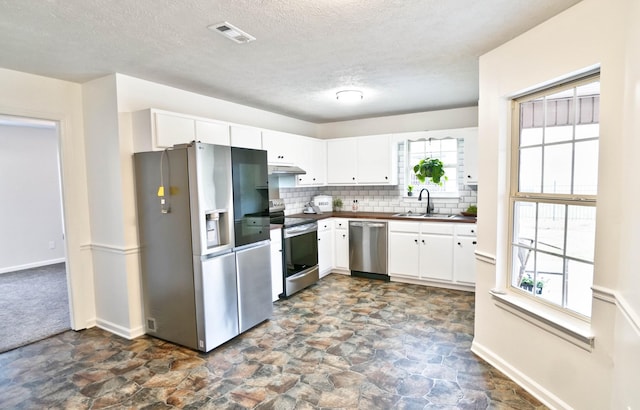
472	210
409	190
527	284
337	204
430	168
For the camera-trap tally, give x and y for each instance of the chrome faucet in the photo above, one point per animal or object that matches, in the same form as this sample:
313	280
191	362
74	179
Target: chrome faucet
429	204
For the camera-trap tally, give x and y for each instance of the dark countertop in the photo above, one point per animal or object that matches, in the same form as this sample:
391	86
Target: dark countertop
383	215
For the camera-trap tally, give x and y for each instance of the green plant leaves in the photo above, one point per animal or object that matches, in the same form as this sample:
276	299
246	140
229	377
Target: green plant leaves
431	168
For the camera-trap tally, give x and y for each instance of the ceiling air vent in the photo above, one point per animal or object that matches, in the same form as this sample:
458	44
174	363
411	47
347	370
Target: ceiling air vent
232	32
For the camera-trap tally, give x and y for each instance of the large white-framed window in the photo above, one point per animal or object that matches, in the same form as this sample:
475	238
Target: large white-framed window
554	180
444	149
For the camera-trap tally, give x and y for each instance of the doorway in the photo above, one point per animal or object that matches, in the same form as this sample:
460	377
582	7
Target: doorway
34	290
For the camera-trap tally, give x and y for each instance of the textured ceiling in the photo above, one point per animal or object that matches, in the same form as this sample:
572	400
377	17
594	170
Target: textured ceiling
405	55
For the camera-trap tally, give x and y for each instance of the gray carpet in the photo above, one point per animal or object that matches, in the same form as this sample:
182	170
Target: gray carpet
34	305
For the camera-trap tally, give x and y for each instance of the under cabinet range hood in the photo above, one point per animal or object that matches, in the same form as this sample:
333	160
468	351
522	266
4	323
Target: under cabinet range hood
285	170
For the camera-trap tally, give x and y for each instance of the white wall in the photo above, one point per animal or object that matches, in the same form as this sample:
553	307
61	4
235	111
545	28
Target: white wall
592	32
135	94
31	208
40	97
626	357
423	121
114	248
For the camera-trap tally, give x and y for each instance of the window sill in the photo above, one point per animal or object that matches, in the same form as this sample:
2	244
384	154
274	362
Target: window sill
569	328
446	195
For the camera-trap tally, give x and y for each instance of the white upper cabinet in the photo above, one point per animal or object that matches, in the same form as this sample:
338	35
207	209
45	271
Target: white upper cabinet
157	130
313	159
471	156
245	137
212	132
282	148
377	160
370	160
341	161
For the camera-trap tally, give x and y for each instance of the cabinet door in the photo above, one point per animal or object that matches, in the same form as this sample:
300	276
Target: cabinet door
172	129
471	157
464	269
342	248
436	257
313	159
374	160
280	146
341	161
404	254
212	132
325	251
245	137
277	277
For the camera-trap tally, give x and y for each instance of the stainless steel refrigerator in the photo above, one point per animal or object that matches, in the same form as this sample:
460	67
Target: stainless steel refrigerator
203	217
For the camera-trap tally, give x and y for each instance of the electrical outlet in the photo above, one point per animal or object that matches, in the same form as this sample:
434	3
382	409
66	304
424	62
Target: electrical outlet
52	244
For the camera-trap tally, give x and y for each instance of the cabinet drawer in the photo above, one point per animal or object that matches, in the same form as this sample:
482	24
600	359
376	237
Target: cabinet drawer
437	228
410	227
324	225
341	223
467	229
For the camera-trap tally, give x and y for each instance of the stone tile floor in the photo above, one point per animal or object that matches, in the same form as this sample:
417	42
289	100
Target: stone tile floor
345	343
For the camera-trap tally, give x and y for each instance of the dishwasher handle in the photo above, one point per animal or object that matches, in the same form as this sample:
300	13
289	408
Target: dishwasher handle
368	224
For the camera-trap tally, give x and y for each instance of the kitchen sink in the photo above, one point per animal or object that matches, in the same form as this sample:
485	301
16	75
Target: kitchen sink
424	216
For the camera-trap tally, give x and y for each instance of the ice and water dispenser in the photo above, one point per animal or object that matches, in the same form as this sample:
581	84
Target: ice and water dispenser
216	225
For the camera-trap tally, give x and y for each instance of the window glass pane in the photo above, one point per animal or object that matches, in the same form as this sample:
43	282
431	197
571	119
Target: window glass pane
587	131
585	179
530	136
579	281
549	277
557	134
530	170
581	232
524	223
551	228
557	169
522	268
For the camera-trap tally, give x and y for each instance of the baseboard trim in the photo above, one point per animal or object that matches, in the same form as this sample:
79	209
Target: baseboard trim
31	265
120	330
543	395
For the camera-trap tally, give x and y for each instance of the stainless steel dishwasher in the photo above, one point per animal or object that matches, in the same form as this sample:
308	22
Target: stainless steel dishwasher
368	249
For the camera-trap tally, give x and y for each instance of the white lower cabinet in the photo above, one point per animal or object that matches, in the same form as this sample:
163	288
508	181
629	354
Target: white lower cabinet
404	249
432	251
277	277
464	269
325	246
341	236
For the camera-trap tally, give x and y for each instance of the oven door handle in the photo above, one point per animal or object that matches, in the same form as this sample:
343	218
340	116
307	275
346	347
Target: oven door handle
301	275
299	230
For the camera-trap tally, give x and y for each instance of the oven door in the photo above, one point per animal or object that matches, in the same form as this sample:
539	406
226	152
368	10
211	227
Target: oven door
300	249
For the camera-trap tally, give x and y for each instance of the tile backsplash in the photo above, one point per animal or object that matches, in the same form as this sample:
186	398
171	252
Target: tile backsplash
383	198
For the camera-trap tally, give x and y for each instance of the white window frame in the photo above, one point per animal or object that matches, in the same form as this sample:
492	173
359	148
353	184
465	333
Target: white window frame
539	198
435	190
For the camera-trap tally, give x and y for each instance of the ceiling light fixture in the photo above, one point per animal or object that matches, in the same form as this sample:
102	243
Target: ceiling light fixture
349	96
231	32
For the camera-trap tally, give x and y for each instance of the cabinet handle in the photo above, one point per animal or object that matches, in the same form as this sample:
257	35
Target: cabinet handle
459	244
416	240
468	176
354	178
314	179
472	231
300	179
386	177
423	242
474	242
344	236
